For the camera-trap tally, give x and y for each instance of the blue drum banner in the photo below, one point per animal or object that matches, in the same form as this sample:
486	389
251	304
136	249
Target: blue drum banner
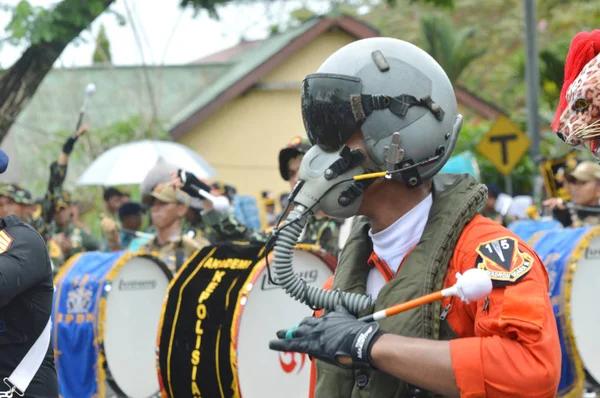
559	250
79	289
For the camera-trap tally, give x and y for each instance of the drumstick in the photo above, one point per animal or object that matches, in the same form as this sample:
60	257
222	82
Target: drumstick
473	285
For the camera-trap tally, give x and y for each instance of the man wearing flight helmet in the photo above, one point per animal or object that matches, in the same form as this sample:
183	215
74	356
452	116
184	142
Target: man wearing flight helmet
384	105
321	230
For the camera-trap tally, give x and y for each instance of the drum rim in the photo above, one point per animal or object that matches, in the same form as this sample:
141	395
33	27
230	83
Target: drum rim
103	368
261	264
566	287
327	258
64	270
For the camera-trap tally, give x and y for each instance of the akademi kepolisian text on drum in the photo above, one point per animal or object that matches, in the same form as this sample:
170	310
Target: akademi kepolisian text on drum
201	315
201	311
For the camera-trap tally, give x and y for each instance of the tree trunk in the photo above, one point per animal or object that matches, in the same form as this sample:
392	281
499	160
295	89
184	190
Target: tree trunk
21	81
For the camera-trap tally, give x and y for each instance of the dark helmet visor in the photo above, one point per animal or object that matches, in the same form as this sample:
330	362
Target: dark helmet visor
327	109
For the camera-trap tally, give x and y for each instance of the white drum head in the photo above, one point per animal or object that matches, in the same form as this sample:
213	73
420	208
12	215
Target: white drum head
133	308
585	317
262	372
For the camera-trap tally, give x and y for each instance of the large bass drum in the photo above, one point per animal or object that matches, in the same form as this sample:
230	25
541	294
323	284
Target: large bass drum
572	258
106	312
220	314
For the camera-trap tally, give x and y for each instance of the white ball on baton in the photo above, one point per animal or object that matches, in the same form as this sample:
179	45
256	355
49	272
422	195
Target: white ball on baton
90	89
473	285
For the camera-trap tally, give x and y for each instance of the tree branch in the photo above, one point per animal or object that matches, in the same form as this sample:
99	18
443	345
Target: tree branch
21	80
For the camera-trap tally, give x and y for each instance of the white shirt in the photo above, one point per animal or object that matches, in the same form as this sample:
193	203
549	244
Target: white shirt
393	243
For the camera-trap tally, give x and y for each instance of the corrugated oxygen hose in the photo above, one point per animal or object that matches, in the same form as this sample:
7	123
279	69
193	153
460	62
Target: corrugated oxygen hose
294	285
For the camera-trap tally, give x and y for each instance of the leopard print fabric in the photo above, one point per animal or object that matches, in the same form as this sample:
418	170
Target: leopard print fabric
580	121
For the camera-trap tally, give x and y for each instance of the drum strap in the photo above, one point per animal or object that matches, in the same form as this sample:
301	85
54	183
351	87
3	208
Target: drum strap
179	258
21	377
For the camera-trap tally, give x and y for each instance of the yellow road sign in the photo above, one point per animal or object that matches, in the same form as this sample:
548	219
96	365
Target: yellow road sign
504	145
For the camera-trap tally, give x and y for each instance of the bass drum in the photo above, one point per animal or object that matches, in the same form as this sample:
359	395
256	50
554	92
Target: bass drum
214	341
572	259
105	320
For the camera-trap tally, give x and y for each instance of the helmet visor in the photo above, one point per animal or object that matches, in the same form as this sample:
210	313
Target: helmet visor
327	109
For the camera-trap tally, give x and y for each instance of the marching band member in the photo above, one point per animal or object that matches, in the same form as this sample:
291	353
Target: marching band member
583	184
167	208
217	225
420	231
26	293
71	238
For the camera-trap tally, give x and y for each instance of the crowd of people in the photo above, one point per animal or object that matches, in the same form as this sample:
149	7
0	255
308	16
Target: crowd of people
179	223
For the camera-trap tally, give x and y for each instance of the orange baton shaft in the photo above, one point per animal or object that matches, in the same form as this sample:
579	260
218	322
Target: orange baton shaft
398	308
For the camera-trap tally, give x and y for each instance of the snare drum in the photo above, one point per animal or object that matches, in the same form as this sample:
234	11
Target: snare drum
572	259
214	341
105	320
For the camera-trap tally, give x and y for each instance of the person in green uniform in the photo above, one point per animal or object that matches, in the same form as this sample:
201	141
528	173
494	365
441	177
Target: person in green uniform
320	230
167	208
217	226
71	239
15	199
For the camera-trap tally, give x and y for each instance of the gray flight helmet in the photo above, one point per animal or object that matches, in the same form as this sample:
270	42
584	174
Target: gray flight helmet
424	111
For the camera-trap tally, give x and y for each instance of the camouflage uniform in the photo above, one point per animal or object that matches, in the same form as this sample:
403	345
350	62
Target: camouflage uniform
44	209
176	251
324	232
81	240
220	226
43	218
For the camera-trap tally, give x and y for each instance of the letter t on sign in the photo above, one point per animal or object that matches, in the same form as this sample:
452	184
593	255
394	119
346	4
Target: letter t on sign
503	140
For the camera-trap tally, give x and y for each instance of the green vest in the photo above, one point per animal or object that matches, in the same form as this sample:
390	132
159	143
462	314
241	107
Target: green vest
456	200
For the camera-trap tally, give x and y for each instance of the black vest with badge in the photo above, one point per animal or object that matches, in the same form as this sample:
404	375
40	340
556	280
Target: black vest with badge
456	200
26	293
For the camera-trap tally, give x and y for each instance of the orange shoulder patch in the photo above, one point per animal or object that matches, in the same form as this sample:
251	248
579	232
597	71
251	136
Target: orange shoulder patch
5	241
503	260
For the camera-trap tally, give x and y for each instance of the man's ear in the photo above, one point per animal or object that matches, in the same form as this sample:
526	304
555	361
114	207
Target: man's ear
181	210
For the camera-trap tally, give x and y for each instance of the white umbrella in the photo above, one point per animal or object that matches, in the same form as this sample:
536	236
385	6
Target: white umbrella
130	163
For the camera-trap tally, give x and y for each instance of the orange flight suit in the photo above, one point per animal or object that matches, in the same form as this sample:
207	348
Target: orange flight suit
508	344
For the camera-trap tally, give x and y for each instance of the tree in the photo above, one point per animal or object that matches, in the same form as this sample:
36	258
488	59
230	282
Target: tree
102	51
47	32
449	46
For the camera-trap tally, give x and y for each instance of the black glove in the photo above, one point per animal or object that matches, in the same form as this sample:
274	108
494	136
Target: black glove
336	334
191	184
68	145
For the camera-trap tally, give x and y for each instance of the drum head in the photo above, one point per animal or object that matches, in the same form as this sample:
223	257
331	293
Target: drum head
133	308
266	373
585	317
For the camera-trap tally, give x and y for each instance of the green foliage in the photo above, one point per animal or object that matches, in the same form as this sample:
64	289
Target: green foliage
437	3
498	75
34	24
470	136
102	53
208	5
449	46
302	14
